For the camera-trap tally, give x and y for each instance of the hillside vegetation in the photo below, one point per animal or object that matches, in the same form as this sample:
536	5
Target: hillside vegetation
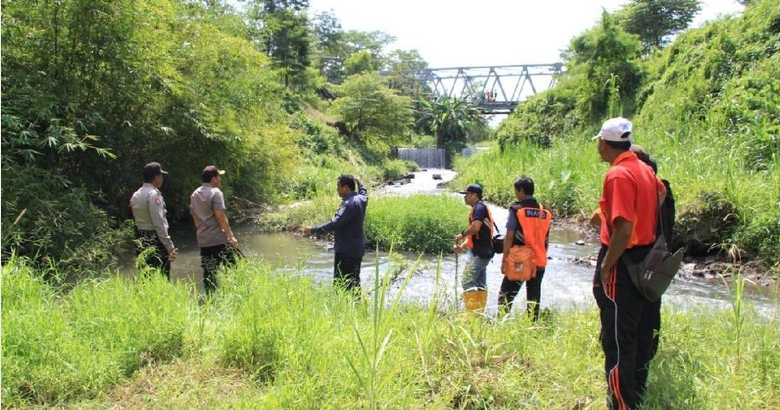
706	107
285	101
93	90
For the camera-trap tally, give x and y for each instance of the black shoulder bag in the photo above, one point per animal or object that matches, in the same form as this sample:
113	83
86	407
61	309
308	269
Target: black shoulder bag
653	274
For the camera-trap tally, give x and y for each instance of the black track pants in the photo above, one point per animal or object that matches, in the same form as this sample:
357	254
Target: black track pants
533	294
627	325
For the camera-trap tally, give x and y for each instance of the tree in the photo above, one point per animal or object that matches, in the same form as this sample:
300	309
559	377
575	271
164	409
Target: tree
334	47
281	29
654	21
373	42
359	62
400	60
327	45
373	113
451	120
604	59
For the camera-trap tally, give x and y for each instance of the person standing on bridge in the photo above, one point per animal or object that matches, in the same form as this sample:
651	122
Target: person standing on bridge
347	226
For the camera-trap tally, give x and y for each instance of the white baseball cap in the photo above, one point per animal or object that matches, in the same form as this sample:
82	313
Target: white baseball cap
616	129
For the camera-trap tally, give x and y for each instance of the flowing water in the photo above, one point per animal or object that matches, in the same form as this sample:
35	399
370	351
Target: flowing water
566	283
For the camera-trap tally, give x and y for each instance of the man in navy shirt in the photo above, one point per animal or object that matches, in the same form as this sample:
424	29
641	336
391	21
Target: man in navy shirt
347	228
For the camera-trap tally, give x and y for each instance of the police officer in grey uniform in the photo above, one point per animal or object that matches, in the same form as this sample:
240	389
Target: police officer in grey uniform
151	224
218	246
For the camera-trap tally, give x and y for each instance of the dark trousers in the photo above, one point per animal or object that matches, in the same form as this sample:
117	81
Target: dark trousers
655	317
627	325
159	257
533	294
211	258
346	271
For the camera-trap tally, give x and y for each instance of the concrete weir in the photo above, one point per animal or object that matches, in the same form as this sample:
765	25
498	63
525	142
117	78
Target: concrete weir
424	157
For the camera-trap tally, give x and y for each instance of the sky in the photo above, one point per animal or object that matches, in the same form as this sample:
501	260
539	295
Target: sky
468	33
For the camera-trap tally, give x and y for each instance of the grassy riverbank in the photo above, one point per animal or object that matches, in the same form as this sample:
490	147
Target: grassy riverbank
705	106
718	202
415	223
268	340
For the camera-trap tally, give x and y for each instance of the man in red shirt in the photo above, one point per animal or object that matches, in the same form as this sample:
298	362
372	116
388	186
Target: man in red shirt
628	208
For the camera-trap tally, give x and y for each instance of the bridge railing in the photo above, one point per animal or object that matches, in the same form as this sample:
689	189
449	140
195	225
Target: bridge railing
494	89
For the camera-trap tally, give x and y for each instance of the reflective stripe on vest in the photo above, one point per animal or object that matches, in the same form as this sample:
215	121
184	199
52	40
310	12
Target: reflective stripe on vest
534	234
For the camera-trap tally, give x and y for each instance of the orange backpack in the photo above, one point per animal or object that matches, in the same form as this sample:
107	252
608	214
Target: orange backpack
520	263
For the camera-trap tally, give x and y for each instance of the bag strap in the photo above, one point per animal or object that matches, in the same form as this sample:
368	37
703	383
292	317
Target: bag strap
539	225
659	226
490	217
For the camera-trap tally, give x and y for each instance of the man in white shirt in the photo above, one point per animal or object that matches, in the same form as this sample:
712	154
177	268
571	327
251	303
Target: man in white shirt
151	223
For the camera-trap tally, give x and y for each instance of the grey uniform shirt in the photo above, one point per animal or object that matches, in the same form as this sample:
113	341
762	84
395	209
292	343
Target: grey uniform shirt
204	201
149	212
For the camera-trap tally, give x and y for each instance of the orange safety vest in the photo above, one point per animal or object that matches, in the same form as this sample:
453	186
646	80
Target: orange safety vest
469	240
535	223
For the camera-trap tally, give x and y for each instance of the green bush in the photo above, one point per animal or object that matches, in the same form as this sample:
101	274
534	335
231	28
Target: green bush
46	218
417	223
396	168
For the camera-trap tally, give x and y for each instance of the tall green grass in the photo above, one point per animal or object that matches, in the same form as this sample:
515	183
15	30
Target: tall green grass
415	223
60	347
569	176
282	341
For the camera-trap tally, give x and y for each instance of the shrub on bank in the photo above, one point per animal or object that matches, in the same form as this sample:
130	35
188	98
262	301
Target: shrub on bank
396	168
417	223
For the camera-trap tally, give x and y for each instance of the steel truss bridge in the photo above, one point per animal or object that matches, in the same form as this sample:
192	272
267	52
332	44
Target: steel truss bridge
493	89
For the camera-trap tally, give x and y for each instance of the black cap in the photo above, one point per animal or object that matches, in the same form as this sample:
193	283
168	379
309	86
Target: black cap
210	172
475	188
151	170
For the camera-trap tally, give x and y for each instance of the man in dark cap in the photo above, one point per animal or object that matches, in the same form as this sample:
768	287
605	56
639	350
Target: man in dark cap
347	228
150	221
218	245
477	237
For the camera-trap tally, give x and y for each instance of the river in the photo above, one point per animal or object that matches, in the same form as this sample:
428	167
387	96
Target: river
566	284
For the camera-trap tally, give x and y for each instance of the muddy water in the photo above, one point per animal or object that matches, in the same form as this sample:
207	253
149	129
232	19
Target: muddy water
566	284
